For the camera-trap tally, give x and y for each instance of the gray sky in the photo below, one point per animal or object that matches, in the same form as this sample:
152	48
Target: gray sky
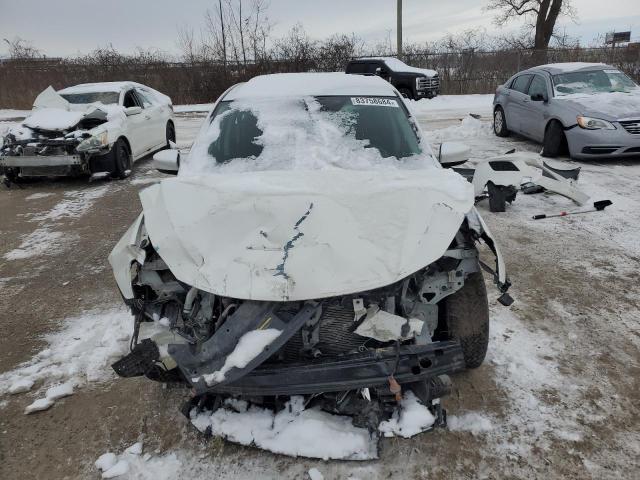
66	27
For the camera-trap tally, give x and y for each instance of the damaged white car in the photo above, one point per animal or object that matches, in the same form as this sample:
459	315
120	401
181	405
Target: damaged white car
96	129
311	245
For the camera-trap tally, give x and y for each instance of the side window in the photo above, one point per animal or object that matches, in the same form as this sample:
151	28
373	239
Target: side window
358	68
144	100
130	100
538	87
371	67
521	83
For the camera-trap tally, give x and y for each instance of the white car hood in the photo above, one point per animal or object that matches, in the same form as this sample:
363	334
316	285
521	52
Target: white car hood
611	105
52	112
298	235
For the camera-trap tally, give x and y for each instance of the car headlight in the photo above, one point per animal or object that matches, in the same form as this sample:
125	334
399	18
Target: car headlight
591	123
94	143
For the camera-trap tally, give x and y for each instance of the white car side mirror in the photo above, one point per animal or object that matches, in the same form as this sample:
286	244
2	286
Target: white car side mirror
132	111
452	154
167	161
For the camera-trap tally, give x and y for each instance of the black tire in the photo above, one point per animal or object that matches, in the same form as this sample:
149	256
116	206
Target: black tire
500	123
121	159
12	176
171	134
467	316
554	140
406	93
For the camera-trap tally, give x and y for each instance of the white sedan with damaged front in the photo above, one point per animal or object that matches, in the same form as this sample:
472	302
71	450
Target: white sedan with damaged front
96	129
311	245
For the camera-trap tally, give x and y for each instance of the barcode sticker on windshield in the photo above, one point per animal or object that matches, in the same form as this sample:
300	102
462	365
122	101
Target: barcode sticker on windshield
376	102
612	71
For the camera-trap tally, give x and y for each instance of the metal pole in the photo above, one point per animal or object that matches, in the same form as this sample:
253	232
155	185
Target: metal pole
399	29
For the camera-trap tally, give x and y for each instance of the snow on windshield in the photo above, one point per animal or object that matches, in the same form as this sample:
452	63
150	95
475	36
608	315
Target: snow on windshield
307	134
592	82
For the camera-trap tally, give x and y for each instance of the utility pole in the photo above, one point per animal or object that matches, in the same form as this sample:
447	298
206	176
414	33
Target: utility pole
399	29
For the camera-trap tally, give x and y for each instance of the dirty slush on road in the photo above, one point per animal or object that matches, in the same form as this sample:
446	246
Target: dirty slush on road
553	398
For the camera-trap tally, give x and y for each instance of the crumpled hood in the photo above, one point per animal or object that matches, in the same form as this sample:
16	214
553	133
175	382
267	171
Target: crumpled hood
52	112
298	235
609	106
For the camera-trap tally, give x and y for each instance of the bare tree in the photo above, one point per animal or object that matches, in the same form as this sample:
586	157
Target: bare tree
19	48
540	15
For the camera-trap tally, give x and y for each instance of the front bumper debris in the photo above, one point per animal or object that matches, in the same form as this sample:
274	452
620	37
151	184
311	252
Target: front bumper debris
33	161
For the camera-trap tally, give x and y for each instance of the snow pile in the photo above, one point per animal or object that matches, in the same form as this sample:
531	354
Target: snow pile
198	107
54	393
45	240
79	353
294	431
469	127
296	135
315	474
131	464
473	422
448	105
250	345
411	419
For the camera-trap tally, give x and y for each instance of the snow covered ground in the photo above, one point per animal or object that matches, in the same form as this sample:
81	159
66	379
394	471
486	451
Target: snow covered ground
557	397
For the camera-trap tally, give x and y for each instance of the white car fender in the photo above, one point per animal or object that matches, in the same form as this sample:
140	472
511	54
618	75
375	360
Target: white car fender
126	251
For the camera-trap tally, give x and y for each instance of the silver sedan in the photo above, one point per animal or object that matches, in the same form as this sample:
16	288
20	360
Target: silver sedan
585	110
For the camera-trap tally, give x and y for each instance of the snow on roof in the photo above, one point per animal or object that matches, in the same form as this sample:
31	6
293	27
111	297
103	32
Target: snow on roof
571	67
99	87
310	84
401	67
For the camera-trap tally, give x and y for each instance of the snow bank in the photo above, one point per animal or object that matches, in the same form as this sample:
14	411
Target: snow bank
294	431
199	107
411	419
250	345
81	352
452	104
469	127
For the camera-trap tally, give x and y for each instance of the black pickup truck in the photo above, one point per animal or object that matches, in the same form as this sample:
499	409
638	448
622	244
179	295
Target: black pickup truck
411	82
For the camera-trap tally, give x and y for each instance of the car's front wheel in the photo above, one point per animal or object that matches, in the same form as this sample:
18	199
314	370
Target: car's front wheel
467	319
170	134
121	159
500	123
554	140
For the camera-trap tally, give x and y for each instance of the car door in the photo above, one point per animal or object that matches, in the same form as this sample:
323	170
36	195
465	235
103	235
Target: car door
514	106
155	118
535	108
135	125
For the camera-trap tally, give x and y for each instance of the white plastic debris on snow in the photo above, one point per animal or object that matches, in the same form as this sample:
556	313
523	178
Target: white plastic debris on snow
79	353
294	431
411	419
296	135
250	345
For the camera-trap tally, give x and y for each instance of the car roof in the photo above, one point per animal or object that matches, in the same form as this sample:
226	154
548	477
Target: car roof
558	68
100	87
312	85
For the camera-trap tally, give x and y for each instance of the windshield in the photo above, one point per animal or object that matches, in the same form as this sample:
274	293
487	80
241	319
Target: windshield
595	81
307	133
103	97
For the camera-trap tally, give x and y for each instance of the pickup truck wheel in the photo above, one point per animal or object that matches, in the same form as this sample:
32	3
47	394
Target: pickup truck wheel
121	159
467	317
406	93
500	123
171	134
554	140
